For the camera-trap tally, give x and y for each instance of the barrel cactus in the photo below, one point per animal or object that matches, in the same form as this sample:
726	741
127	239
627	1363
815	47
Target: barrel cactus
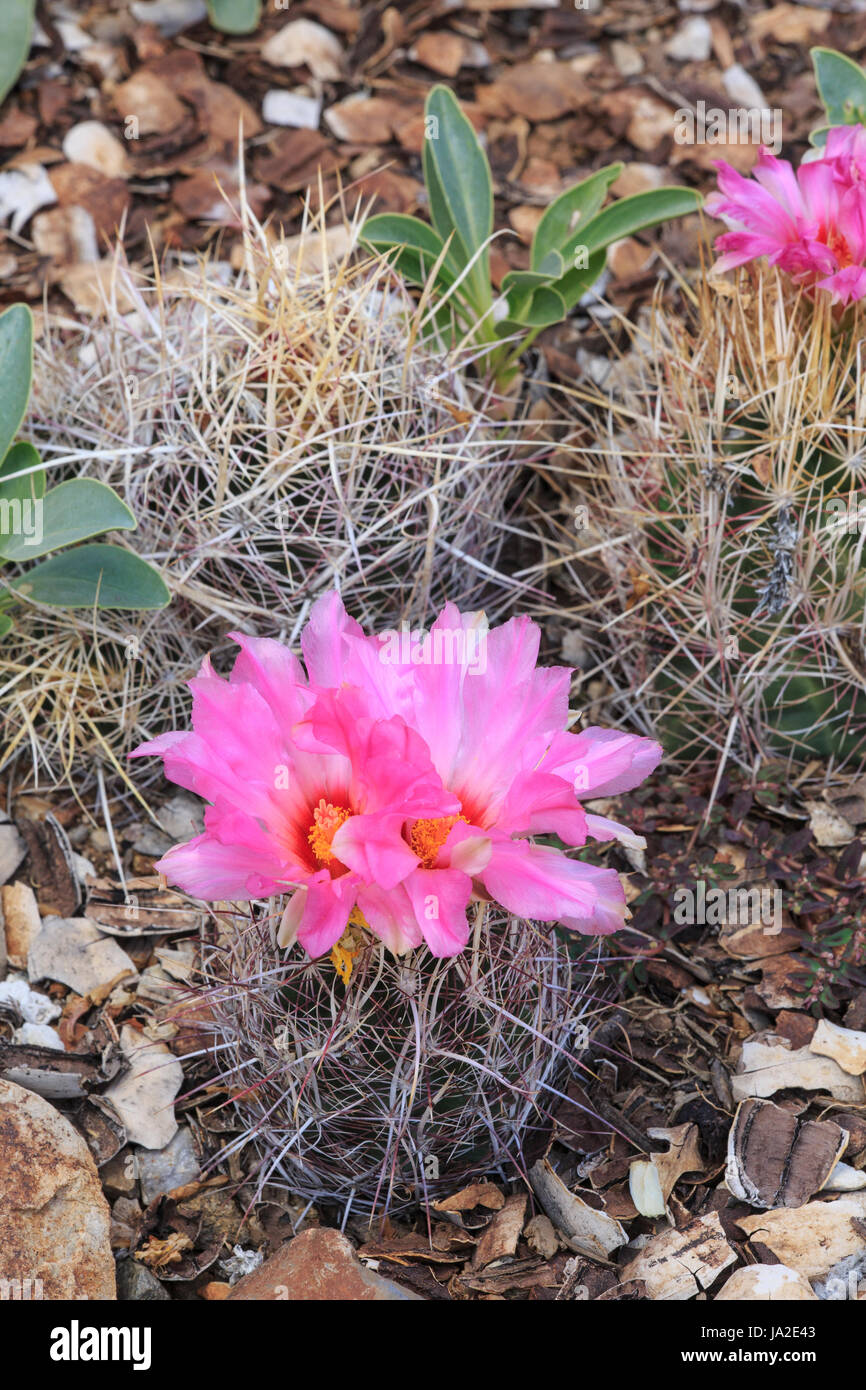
731	527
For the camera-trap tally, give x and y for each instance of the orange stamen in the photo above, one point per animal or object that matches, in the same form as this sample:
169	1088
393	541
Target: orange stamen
327	820
428	836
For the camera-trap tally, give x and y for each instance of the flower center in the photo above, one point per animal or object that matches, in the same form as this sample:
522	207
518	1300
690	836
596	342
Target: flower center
327	820
428	836
840	248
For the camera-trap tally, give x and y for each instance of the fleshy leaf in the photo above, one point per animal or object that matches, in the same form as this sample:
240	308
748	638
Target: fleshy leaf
460	189
69	513
571	210
16	371
16	30
841	86
102	574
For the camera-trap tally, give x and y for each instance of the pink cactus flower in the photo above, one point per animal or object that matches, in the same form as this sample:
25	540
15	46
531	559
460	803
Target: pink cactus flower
397	780
811	223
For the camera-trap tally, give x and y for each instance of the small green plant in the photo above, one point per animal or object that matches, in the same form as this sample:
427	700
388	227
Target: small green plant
34	522
842	89
234	16
566	258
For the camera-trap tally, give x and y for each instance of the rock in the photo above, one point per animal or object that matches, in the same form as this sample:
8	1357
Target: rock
53	1216
136	1284
291	108
22	192
169	16
769	1064
74	951
540	1235
319	1265
846	1046
829	827
38	1035
583	1229
92	143
303	43
143	1098
181	817
162	1170
814	1238
21	920
626	58
692	43
12	846
844	1178
150	100
766	1284
743	89
679	1264
30	1006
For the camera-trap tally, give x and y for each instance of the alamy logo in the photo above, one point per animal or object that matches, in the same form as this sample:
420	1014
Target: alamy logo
77	1343
744	907
21	518
21	1290
444	646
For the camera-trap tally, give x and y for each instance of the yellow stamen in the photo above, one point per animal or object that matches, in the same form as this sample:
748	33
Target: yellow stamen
327	820
351	943
428	836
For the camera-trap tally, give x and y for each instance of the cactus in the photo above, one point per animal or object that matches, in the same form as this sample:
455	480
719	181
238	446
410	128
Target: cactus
736	457
416	1075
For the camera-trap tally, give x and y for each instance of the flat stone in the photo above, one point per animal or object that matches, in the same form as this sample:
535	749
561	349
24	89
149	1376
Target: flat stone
319	1265
74	951
143	1099
162	1170
54	1220
136	1284
21	920
12	850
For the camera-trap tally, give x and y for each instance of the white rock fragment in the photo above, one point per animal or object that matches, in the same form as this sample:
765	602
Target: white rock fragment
813	1238
169	16
21	921
11	845
846	1046
844	1178
692	43
74	952
92	143
143	1098
303	43
30	1006
677	1265
768	1064
291	108
583	1229
38	1035
766	1284
162	1170
743	89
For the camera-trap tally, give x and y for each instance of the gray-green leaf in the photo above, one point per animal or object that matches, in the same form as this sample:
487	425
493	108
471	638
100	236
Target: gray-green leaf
68	513
841	86
569	212
634	214
234	16
459	186
16	29
102	574
16	371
